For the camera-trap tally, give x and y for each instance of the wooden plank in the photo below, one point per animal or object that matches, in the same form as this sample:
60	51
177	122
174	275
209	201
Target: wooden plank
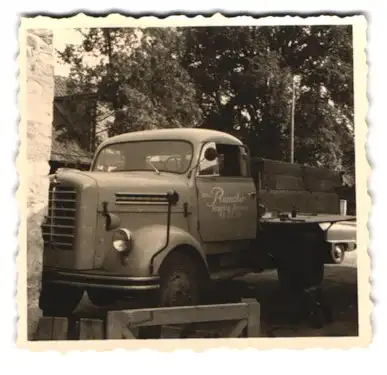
284	182
276	167
73	329
267	166
321	185
91	329
180	315
277	175
237	330
254	317
303	201
117	327
44	331
322	174
59	328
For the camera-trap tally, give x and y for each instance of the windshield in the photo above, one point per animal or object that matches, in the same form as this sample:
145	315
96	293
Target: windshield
163	156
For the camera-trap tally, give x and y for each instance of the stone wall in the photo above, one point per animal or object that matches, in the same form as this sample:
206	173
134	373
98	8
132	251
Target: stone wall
40	95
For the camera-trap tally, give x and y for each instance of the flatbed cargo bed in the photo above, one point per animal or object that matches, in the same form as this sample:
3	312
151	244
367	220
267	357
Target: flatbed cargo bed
284	187
308	219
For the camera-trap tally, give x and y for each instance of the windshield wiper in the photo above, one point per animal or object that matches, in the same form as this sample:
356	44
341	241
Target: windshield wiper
154	168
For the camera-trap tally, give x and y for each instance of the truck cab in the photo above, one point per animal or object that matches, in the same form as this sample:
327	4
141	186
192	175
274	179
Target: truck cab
153	203
160	213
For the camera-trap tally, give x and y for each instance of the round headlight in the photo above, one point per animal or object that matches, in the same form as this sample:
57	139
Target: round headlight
122	240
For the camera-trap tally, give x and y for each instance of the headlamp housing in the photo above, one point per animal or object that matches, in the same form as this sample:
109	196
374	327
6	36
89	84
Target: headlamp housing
122	240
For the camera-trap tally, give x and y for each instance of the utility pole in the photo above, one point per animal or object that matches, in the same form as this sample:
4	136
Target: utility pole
292	120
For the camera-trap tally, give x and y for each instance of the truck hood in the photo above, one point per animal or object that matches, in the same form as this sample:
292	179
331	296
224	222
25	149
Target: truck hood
148	183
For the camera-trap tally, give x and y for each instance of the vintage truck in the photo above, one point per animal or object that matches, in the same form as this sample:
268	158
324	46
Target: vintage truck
164	213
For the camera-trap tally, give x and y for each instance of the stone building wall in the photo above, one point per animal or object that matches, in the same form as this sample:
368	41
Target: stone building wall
40	95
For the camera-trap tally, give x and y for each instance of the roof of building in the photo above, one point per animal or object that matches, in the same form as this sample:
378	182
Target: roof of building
68	151
60	86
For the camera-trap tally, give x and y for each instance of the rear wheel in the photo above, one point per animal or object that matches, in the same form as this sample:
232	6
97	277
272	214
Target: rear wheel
300	279
289	280
301	276
59	300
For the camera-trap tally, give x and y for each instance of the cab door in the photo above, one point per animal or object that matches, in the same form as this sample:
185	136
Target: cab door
227	201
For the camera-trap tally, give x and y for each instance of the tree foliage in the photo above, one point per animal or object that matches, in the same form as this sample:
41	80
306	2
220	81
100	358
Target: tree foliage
244	85
235	79
138	76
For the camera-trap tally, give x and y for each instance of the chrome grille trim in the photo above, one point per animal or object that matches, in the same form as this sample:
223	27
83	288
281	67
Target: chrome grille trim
131	198
59	226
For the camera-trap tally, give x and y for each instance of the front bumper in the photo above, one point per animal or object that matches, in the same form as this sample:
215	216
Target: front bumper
97	279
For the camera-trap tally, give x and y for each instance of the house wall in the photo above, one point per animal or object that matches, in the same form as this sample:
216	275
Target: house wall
40	93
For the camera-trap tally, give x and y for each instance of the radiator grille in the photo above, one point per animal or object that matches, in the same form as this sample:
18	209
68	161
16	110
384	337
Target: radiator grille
59	226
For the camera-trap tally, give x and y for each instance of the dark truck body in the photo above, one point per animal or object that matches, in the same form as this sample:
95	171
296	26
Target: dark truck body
300	205
285	186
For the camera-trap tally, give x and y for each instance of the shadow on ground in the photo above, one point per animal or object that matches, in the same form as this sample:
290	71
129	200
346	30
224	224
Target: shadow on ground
277	314
340	290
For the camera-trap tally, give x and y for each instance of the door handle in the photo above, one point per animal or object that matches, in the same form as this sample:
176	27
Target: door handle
252	194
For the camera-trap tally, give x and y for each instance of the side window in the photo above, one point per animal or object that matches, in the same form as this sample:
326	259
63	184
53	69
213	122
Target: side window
208	168
232	161
244	158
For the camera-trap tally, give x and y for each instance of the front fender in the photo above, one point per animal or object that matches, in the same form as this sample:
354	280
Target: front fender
177	237
150	248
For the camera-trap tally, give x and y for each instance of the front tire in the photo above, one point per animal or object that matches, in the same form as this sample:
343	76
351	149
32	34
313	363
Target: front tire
182	283
59	300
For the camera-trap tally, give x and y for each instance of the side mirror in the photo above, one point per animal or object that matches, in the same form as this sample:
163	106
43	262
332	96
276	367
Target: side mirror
210	154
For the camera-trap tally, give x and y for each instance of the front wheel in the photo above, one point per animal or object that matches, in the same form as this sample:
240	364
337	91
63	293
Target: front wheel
59	300
182	283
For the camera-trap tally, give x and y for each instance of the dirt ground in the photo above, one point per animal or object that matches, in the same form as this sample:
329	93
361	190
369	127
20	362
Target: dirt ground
340	290
277	314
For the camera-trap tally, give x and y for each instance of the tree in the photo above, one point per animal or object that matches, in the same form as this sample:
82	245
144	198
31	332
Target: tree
137	73
244	78
235	79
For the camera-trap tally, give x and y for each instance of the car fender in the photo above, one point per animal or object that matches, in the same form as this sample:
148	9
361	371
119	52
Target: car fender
340	233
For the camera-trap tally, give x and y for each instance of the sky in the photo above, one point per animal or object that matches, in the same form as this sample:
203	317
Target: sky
61	38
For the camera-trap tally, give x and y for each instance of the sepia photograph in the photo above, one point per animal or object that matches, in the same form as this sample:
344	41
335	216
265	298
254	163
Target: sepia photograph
199	178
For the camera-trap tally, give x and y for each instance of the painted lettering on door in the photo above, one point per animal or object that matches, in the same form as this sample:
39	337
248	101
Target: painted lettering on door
226	206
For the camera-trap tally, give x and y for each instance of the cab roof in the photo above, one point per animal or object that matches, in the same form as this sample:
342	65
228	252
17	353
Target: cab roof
194	135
